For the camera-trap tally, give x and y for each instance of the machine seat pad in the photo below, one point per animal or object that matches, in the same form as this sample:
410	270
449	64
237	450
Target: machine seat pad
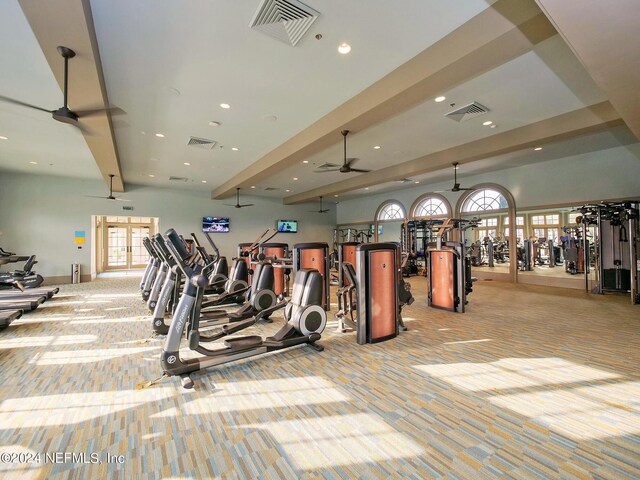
242	343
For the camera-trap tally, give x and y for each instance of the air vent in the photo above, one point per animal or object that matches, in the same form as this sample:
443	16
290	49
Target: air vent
467	112
201	143
271	189
285	20
178	179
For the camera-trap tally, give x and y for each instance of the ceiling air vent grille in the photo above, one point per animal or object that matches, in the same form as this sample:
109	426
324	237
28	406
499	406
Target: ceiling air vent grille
201	143
285	20
467	112
178	179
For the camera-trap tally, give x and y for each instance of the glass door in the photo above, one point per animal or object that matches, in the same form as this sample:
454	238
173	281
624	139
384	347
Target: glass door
138	254
117	246
123	243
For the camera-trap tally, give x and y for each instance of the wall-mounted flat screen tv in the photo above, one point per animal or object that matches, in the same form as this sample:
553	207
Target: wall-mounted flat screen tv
215	224
287	226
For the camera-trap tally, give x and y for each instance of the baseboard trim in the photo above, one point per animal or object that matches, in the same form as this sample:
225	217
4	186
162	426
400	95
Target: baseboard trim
65	279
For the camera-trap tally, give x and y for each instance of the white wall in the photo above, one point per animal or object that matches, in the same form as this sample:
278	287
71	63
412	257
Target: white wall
39	215
606	174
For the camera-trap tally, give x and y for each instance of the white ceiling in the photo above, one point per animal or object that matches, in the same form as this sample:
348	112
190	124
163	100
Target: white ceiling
170	64
33	136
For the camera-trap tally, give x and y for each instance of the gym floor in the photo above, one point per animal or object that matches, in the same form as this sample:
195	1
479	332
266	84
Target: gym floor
531	382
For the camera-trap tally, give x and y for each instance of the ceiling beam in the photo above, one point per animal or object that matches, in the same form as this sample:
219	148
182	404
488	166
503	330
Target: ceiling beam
568	125
604	37
504	31
70	23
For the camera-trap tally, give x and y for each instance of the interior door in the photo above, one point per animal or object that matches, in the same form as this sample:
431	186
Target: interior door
124	248
138	255
117	247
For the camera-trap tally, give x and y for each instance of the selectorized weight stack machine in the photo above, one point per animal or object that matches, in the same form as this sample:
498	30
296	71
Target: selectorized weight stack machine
314	256
449	270
278	255
373	294
346	253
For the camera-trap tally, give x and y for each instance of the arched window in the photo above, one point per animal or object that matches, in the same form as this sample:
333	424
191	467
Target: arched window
430	207
391	210
483	200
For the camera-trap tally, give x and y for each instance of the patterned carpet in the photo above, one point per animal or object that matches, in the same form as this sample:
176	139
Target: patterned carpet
531	382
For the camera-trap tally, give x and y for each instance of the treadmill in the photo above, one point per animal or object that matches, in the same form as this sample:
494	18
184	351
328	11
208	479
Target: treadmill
8	316
26	303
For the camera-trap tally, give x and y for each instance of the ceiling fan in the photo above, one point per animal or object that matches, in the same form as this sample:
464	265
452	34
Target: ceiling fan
321	210
237	205
456	185
64	114
346	166
110	197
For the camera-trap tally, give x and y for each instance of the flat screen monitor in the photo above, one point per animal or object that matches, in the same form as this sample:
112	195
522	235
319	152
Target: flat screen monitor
287	226
215	224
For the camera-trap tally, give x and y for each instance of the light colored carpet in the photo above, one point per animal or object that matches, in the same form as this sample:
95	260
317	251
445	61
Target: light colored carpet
531	382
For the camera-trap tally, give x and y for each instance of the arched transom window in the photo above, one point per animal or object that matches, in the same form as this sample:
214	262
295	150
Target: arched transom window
431	207
391	211
483	200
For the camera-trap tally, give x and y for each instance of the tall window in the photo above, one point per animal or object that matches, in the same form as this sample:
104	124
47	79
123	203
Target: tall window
431	207
486	199
391	210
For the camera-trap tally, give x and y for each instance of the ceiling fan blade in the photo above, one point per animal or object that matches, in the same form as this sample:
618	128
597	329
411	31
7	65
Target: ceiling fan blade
89	112
23	104
85	131
323	211
358	170
229	205
95	196
246	205
349	161
120	199
327	170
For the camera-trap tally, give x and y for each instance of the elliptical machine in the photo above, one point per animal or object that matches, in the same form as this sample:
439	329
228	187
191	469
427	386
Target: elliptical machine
306	319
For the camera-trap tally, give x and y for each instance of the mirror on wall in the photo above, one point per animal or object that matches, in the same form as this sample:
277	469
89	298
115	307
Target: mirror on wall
361	232
553	245
488	243
390	231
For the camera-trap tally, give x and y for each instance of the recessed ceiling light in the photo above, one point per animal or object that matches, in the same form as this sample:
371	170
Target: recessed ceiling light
204	181
287	190
160	135
187	163
3	138
488	122
225	105
417	181
151	176
235	149
213	123
143	132
344	48
335	195
305	161
538	149
493	126
440	99
366	188
253	186
33	163
295	178
377	147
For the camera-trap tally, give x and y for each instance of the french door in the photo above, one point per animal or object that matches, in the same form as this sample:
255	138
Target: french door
123	245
